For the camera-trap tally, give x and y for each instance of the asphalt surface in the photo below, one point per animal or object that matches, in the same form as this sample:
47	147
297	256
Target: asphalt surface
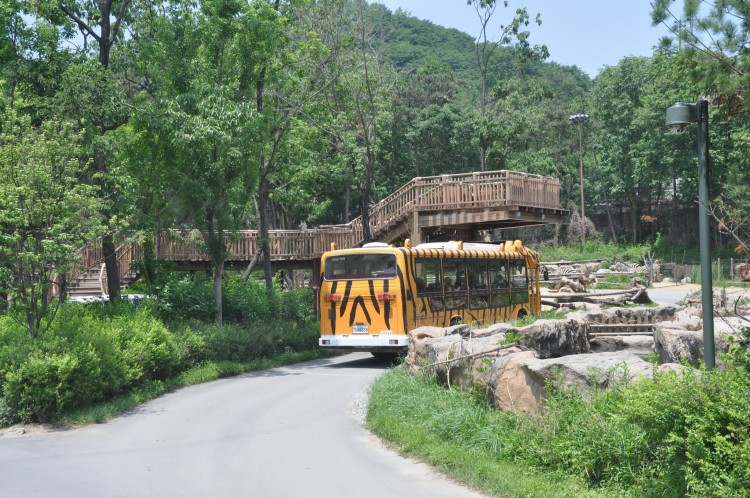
286	432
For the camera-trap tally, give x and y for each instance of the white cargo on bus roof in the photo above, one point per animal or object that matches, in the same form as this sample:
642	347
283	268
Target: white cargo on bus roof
476	246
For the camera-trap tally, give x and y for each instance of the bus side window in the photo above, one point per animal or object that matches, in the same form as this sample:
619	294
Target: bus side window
421	287
518	271
499	274
455	274
428	278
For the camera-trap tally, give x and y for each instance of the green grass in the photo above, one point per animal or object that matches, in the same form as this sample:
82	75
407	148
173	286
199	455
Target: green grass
464	439
199	374
545	315
594	250
678	434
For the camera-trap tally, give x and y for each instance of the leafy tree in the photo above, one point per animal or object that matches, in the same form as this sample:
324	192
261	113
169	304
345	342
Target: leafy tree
100	23
712	40
288	80
46	213
513	35
200	107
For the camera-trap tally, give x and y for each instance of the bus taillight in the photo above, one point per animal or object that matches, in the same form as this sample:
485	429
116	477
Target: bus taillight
386	296
333	298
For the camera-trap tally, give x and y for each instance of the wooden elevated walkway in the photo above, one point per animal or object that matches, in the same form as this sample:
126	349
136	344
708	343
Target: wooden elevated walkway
463	203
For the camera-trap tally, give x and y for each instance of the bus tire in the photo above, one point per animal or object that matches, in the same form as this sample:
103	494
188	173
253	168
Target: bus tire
456	320
521	314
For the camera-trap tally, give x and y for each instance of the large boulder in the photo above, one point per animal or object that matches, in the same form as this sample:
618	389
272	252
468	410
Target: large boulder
678	345
553	338
457	359
418	350
512	387
584	370
517	381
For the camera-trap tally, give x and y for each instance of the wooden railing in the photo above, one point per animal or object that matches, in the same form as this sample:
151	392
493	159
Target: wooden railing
435	193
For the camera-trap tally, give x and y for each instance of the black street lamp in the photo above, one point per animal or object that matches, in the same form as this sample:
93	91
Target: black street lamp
679	116
580	119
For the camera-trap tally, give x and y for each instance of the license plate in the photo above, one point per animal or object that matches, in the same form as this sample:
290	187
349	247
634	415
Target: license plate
360	329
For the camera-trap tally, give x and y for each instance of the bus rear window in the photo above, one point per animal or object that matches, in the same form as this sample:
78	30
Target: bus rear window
360	267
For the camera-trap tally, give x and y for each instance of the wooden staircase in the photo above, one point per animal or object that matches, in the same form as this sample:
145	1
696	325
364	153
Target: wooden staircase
91	285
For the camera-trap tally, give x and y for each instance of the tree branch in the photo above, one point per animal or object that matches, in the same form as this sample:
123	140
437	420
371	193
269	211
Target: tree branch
81	23
120	15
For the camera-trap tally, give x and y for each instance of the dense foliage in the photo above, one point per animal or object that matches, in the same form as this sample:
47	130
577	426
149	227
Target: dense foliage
217	115
678	434
94	353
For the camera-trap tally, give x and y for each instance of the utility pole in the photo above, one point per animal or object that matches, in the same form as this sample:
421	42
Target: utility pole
580	119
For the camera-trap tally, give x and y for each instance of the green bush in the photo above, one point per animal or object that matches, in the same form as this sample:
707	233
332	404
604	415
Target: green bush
88	355
185	296
148	349
45	385
249	301
264	340
98	352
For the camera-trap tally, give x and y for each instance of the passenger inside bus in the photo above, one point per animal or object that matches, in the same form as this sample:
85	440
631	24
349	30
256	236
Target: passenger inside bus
390	269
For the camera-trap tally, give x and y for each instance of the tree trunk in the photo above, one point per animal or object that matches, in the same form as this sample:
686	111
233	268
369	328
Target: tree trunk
264	241
110	263
251	265
218	279
634	217
365	198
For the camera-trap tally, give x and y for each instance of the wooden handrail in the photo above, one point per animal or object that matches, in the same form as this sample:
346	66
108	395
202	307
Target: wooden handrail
422	194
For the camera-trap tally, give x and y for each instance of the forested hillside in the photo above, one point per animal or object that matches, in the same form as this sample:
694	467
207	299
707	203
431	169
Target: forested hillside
217	115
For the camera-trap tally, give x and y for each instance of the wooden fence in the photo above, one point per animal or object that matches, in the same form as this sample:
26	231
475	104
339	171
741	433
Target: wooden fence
492	189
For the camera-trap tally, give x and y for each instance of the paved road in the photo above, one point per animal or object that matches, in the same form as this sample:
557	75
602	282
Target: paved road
286	432
668	295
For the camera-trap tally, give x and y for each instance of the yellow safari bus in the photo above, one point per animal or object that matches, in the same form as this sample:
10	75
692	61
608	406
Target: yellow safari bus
370	297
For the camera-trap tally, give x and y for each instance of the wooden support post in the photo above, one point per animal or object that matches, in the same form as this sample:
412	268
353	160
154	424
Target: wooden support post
718	268
416	233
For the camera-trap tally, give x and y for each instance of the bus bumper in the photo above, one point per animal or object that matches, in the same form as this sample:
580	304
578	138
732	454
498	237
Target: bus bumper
392	343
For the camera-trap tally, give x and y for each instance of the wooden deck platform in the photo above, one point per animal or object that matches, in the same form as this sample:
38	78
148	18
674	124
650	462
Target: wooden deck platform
464	202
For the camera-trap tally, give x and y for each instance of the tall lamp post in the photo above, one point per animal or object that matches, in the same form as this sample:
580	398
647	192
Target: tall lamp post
580	119
679	117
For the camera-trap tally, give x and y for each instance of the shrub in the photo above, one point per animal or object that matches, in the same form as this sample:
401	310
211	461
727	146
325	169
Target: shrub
185	296
148	349
249	301
44	386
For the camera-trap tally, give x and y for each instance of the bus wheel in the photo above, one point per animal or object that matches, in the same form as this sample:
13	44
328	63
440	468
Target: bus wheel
456	320
521	314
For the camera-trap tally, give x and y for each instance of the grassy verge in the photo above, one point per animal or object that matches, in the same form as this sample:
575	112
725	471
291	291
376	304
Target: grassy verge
462	438
199	374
